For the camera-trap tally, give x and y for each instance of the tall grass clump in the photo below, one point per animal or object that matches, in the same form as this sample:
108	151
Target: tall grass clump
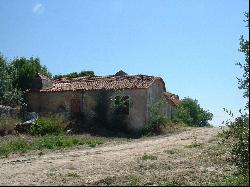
23	144
49	125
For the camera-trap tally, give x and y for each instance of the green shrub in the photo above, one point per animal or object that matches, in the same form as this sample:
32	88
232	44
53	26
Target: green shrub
26	69
236	138
119	113
75	74
190	113
157	119
9	94
51	125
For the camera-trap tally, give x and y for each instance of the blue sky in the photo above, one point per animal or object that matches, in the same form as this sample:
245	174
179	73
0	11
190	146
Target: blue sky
193	45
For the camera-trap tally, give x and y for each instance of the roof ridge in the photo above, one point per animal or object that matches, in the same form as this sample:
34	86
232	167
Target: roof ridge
102	82
105	76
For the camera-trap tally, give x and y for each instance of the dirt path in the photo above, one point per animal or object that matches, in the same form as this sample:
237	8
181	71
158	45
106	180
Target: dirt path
90	165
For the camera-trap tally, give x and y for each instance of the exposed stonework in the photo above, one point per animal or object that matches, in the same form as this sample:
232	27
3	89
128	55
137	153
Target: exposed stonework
7	111
41	82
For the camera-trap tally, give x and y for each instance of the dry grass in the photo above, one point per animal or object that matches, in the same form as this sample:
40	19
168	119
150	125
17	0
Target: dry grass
173	128
204	165
191	157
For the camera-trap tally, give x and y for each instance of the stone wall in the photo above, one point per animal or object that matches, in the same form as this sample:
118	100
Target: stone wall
7	111
66	103
41	82
49	102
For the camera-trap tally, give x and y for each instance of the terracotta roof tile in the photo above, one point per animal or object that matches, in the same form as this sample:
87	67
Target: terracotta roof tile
174	99
98	83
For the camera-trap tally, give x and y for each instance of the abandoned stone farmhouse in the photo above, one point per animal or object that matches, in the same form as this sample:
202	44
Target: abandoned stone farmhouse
69	96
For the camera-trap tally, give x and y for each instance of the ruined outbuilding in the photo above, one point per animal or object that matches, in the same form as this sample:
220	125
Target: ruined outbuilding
68	96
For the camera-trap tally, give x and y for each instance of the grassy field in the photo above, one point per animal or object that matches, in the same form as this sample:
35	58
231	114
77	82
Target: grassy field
25	143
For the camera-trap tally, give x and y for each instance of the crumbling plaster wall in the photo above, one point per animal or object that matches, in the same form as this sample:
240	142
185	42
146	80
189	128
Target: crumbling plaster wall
154	93
170	110
137	105
60	102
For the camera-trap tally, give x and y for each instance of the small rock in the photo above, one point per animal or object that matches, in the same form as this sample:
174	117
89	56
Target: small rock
25	126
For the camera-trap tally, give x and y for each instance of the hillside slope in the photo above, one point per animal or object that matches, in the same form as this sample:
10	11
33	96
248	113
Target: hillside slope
187	158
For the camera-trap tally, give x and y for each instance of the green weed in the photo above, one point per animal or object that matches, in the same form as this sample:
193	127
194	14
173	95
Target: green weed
72	174
149	157
23	144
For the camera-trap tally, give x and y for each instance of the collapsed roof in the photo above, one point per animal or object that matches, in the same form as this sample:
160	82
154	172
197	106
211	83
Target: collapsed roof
112	82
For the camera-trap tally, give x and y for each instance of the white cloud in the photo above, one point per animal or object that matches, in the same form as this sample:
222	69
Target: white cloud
38	9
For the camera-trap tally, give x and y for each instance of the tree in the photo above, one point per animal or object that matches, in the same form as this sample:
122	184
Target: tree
24	71
244	47
9	95
86	73
236	136
75	74
190	113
